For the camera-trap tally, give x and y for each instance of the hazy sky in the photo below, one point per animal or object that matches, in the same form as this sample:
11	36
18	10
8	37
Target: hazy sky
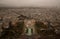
32	3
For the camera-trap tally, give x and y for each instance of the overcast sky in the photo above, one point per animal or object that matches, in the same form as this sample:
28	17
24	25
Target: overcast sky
31	3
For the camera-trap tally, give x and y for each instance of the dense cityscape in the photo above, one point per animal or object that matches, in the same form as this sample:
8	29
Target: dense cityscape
44	22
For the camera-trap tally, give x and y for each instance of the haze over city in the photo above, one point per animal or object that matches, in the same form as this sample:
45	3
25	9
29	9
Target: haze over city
30	3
